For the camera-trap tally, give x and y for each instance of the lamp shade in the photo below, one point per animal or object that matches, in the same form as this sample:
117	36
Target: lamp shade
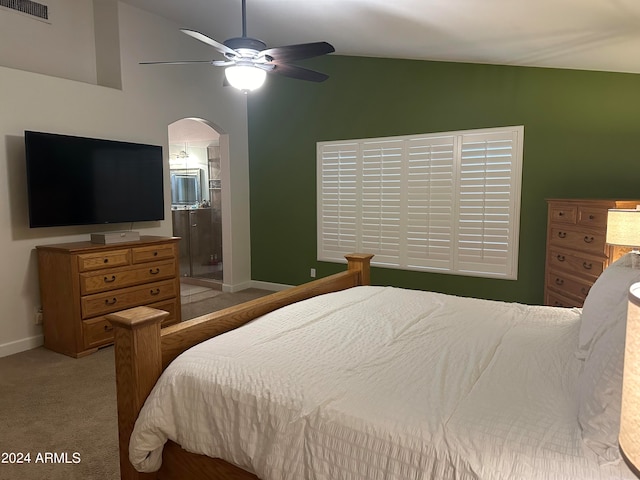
629	437
623	227
245	77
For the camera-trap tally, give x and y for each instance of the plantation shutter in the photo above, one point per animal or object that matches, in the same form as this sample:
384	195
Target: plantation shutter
445	202
430	186
381	200
338	213
488	191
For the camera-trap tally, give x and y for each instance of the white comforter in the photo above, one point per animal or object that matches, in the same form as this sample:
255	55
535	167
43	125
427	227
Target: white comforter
381	383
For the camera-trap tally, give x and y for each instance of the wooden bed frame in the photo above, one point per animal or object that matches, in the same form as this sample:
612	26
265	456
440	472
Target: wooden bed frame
143	350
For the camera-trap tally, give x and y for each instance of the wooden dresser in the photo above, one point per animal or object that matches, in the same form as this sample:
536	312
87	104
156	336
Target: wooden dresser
576	249
81	282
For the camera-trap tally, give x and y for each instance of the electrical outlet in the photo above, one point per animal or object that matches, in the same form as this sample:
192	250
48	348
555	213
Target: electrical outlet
313	273
38	316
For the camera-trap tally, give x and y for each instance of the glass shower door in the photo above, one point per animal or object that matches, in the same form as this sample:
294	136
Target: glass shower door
198	255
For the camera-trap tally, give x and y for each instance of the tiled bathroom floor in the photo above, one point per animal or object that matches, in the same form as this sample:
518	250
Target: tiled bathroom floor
194	293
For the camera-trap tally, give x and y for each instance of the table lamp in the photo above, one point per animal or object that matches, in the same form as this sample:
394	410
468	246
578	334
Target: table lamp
629	437
623	228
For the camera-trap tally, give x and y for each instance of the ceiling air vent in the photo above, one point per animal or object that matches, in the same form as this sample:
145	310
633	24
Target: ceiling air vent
29	7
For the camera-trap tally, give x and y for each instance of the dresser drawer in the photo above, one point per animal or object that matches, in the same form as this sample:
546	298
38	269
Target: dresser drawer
96	332
104	280
96	261
171	306
568	285
556	300
101	303
578	240
152	253
563	214
592	217
99	331
577	265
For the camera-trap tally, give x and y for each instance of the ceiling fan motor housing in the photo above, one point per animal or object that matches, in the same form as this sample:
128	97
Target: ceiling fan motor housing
245	43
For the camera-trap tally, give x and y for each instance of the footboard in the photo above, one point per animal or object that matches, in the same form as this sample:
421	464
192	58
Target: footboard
143	350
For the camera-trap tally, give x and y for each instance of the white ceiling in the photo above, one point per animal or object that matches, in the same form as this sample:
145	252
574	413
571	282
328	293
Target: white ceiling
576	34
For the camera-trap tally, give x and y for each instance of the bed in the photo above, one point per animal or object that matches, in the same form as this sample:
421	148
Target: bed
338	379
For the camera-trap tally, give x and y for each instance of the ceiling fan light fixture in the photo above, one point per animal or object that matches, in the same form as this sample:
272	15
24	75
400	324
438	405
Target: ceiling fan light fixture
245	77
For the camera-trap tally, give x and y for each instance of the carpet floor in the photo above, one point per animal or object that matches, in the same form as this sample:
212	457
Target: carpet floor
61	411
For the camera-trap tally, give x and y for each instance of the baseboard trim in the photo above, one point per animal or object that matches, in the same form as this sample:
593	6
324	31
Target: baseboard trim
274	287
236	287
18	346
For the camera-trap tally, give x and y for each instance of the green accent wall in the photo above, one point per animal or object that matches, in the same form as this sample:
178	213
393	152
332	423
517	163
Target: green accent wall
582	138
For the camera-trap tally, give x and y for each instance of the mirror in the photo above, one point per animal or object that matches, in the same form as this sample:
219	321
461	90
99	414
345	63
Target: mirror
186	186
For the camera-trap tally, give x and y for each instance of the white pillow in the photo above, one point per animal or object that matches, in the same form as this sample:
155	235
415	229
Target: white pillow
600	391
602	337
610	289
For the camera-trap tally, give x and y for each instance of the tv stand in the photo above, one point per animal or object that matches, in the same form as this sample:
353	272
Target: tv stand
81	282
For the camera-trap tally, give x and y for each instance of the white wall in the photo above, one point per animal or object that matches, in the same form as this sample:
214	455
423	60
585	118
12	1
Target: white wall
151	98
63	45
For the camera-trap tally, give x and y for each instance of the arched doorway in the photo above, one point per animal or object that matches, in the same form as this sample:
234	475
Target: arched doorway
196	200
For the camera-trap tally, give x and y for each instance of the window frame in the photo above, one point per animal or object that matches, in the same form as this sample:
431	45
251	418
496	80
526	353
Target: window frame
349	191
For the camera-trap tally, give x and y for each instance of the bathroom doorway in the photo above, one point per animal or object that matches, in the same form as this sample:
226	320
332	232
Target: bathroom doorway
196	201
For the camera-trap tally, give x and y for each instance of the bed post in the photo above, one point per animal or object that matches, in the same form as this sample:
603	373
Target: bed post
138	366
360	262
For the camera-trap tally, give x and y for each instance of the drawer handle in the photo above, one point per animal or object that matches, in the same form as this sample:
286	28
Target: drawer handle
155	254
561	214
106	260
588	239
153	271
591	217
587	266
559	281
154	292
560	258
562	234
110	280
108	328
113	301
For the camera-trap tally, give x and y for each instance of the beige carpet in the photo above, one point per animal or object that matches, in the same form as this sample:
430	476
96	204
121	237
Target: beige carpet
53	406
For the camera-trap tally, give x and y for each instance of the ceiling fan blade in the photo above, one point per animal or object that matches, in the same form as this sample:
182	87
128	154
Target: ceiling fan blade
180	62
210	41
291	53
299	73
223	63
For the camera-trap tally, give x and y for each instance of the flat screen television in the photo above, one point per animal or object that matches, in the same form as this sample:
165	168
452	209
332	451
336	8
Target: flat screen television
84	181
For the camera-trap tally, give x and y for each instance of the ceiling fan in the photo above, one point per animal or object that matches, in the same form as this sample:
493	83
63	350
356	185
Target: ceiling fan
248	60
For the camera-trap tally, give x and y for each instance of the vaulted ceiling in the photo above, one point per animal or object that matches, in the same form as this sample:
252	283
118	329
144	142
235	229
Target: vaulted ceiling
576	34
